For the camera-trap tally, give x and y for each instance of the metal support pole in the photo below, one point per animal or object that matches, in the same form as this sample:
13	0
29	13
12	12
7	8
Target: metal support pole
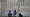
1	8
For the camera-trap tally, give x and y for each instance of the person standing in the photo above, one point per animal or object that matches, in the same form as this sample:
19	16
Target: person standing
15	13
9	14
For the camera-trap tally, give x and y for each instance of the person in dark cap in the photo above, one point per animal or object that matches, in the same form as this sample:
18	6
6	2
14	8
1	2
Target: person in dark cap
20	15
9	14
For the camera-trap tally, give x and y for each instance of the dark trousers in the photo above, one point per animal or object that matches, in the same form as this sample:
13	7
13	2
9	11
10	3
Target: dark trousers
9	16
20	16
